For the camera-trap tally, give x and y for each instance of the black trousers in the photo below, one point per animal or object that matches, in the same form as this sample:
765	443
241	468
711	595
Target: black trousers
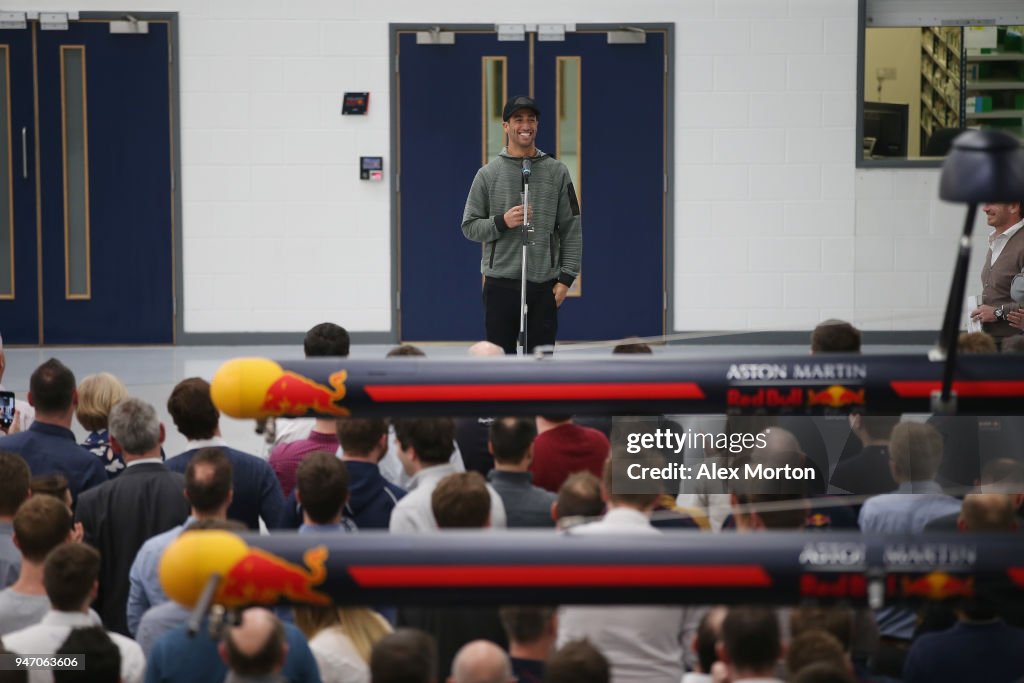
501	313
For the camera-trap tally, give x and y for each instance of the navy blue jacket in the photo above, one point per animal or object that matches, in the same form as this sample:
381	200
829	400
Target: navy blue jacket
257	492
50	448
371	499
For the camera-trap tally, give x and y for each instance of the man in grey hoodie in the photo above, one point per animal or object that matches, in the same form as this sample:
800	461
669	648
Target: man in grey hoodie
494	217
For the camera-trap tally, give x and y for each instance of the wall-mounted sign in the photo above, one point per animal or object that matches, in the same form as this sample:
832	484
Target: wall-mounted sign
355	103
371	168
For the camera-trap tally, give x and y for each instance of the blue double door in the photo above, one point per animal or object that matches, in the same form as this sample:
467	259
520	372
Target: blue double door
86	215
604	109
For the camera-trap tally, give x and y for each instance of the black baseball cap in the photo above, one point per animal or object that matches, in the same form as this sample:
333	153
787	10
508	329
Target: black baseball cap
519	102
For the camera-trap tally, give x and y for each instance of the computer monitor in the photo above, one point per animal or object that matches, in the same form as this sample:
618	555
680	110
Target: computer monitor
887	123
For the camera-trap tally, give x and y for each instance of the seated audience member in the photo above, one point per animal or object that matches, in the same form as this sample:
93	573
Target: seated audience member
760	504
48	445
255	649
425	447
577	662
915	451
579	501
1014	344
286	457
471	433
256	490
976	342
979	647
459	501
70	575
481	661
405	656
208	491
988	512
392	467
341	639
868	472
823	673
102	657
562	448
177	657
855	630
826	439
835	336
41	524
750	646
322	492
97	394
120	515
164	617
15	479
811	648
371	497
53	485
658	656
325	340
363	442
711	498
531	632
510	441
1005	476
709	632
915	454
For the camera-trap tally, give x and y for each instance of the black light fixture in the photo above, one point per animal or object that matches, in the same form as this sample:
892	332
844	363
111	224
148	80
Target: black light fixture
982	166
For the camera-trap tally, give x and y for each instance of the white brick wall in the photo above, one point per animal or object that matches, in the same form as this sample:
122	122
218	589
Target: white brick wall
774	228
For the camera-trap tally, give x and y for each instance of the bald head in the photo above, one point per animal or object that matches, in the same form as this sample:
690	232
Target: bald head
778	440
987	512
481	661
256	646
485	348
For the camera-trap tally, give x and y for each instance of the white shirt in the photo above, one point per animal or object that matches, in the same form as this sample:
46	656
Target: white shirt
337	658
694	677
642	644
49	634
997	242
391	466
414	512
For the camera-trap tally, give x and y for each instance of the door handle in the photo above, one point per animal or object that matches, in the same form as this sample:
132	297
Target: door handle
24	152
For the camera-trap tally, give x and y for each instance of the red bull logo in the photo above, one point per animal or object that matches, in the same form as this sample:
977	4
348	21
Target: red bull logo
760	398
248	575
833	586
835	396
263	578
294	394
818	520
937	586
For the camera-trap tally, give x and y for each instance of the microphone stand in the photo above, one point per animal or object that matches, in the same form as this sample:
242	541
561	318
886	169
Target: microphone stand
527	229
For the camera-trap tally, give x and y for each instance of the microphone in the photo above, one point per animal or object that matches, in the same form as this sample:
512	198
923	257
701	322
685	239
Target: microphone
526	169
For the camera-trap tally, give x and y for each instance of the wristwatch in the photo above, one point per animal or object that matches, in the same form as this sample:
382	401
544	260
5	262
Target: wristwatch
999	313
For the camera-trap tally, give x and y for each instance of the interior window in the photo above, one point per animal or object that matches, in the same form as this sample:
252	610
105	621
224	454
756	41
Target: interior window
924	85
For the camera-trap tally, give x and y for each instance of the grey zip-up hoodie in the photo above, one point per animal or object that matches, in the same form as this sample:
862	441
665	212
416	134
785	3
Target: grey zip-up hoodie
558	236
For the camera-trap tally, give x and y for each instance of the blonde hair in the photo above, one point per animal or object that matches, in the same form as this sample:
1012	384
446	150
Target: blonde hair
97	394
363	626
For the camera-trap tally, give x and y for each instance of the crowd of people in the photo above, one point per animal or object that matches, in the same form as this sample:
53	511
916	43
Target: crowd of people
83	528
